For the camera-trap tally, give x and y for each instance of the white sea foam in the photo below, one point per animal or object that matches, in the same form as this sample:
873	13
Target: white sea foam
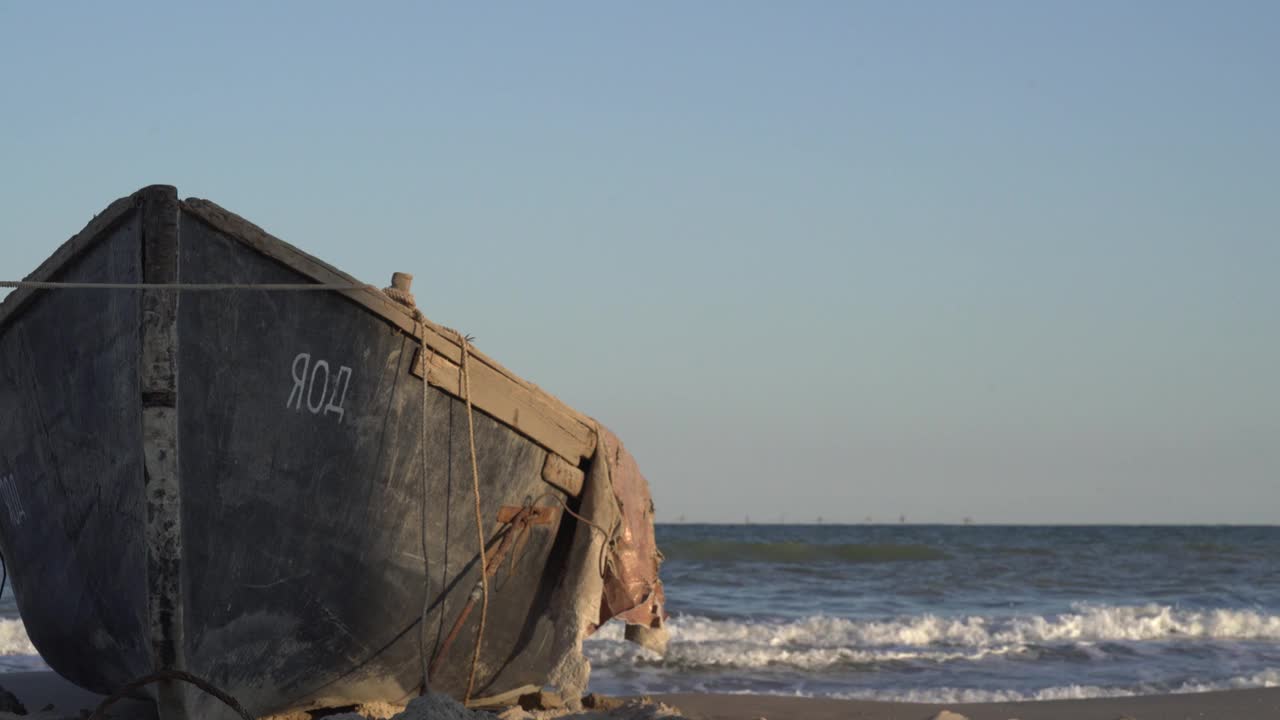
14	640
1267	678
947	696
820	641
17	654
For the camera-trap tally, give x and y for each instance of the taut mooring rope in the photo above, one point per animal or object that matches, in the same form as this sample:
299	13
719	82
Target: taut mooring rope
475	482
185	287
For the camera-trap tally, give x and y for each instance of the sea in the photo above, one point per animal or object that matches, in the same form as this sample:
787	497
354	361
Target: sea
958	613
966	613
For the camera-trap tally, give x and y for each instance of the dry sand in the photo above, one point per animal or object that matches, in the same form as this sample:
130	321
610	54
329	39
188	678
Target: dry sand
39	690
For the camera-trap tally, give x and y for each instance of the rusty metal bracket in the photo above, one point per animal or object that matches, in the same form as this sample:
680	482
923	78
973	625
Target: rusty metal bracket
516	521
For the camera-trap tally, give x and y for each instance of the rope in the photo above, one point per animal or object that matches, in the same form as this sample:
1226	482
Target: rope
610	537
100	712
406	299
186	287
475	482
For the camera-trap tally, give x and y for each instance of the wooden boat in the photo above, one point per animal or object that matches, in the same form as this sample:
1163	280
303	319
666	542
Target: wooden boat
210	469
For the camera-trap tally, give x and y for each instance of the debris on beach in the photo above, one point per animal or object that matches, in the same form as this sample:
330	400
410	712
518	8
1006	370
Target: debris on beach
443	707
635	709
9	703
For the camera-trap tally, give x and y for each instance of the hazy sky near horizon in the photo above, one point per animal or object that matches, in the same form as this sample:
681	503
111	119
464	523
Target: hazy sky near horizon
1012	261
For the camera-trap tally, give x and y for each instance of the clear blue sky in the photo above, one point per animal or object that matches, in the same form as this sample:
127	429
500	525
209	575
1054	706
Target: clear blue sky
1015	261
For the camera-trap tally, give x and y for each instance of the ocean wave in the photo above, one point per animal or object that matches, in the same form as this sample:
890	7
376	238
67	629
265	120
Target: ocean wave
796	552
13	638
1267	678
948	695
821	642
745	657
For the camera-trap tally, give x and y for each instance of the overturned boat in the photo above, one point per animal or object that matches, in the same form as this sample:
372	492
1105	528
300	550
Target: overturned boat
223	459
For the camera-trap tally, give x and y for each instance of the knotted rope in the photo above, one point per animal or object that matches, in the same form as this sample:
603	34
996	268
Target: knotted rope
405	298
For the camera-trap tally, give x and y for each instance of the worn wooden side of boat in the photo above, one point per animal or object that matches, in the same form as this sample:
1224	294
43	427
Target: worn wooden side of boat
71	458
235	483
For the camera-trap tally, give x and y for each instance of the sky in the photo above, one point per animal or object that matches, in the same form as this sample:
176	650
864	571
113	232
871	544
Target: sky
1015	262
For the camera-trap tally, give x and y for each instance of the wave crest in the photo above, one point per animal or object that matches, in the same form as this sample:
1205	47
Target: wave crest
14	640
819	642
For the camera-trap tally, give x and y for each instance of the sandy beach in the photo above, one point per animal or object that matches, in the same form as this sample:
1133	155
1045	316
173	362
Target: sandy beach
37	691
1254	704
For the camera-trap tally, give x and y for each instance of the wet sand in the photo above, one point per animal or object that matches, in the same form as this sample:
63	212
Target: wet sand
38	690
1254	704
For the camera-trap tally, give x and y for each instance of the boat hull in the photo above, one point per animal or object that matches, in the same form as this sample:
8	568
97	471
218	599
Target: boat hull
260	488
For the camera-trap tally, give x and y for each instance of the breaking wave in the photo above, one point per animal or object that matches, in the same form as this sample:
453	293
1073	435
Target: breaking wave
821	642
14	640
1265	679
796	552
17	654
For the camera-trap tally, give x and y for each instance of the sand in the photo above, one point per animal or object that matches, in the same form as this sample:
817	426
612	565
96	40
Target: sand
39	690
1259	704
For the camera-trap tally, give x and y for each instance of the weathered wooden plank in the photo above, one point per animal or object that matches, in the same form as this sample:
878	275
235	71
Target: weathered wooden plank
505	402
558	472
70	444
101	223
524	406
546	405
159	389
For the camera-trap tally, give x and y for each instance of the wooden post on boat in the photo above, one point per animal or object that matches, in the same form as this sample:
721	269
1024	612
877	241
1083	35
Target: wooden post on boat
160	449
